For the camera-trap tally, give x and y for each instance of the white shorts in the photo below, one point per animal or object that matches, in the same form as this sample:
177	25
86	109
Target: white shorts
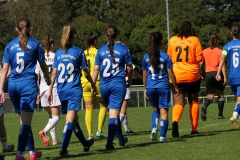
128	94
55	102
1	110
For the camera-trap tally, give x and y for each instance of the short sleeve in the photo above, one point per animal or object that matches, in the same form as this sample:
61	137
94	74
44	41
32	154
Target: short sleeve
40	53
144	63
169	62
169	50
128	57
83	60
224	50
6	56
199	51
55	61
97	60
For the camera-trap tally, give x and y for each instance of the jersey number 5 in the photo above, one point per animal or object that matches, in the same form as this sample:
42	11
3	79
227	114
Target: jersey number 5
179	50
20	61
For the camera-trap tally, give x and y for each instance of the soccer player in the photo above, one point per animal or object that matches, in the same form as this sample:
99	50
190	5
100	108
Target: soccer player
91	52
157	69
232	50
185	51
110	62
22	54
53	109
3	134
211	58
66	70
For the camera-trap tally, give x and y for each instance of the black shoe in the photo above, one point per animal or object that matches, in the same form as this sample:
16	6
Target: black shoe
89	143
1	157
195	133
109	146
9	148
175	132
122	143
204	114
129	131
63	153
221	117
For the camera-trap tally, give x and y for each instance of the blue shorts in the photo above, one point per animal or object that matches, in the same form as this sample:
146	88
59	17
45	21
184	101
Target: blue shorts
71	104
235	90
113	95
159	98
23	95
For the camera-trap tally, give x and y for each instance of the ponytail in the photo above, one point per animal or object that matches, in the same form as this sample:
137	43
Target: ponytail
213	41
68	36
23	27
47	41
111	33
90	39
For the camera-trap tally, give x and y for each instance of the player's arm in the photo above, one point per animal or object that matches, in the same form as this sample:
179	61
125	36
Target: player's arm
173	79
138	76
2	81
45	72
218	77
144	78
53	77
224	74
94	76
130	74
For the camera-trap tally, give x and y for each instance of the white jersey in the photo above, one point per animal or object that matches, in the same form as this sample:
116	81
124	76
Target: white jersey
126	75
49	61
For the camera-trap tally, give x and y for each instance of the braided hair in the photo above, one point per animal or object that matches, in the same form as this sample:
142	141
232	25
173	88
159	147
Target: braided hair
111	33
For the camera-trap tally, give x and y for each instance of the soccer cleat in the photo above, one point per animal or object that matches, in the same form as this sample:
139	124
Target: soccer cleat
234	122
19	158
63	153
221	117
44	138
9	148
122	143
89	143
163	139
109	146
56	142
175	132
90	137
194	133
35	155
204	114
129	131
101	135
154	134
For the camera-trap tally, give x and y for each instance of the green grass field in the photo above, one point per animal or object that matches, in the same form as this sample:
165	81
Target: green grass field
217	139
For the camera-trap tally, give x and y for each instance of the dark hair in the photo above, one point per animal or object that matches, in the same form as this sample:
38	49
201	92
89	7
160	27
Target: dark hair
213	41
68	36
23	26
185	29
111	33
47	41
153	48
90	39
235	30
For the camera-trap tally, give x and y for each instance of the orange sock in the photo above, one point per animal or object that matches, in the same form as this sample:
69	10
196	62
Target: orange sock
177	112
194	114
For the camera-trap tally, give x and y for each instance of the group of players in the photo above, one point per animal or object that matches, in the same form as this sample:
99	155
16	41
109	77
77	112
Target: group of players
29	79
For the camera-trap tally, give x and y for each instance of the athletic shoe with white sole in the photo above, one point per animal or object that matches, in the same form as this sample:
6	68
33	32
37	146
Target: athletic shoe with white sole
234	122
101	135
154	134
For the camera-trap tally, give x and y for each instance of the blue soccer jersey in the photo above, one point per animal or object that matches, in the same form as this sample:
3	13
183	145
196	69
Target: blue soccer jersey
157	78
110	72
232	50
68	70
23	62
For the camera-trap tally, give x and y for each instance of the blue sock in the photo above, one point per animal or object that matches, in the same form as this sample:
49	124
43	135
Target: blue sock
155	118
30	143
23	137
67	133
237	108
78	132
163	128
119	131
112	127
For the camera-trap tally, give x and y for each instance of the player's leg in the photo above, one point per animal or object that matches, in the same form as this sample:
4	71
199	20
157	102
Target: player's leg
210	89
3	134
123	112
179	103
101	118
192	94
88	100
220	104
236	92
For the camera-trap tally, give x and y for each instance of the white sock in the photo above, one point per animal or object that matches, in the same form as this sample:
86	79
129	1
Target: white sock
235	114
125	123
121	118
4	142
53	134
53	120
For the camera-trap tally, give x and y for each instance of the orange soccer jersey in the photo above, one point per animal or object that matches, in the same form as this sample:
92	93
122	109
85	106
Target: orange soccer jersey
212	58
186	54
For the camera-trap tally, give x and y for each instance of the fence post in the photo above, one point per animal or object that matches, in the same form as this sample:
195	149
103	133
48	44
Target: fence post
138	98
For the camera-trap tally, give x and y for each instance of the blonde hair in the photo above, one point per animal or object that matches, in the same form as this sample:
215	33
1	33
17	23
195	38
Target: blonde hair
68	36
